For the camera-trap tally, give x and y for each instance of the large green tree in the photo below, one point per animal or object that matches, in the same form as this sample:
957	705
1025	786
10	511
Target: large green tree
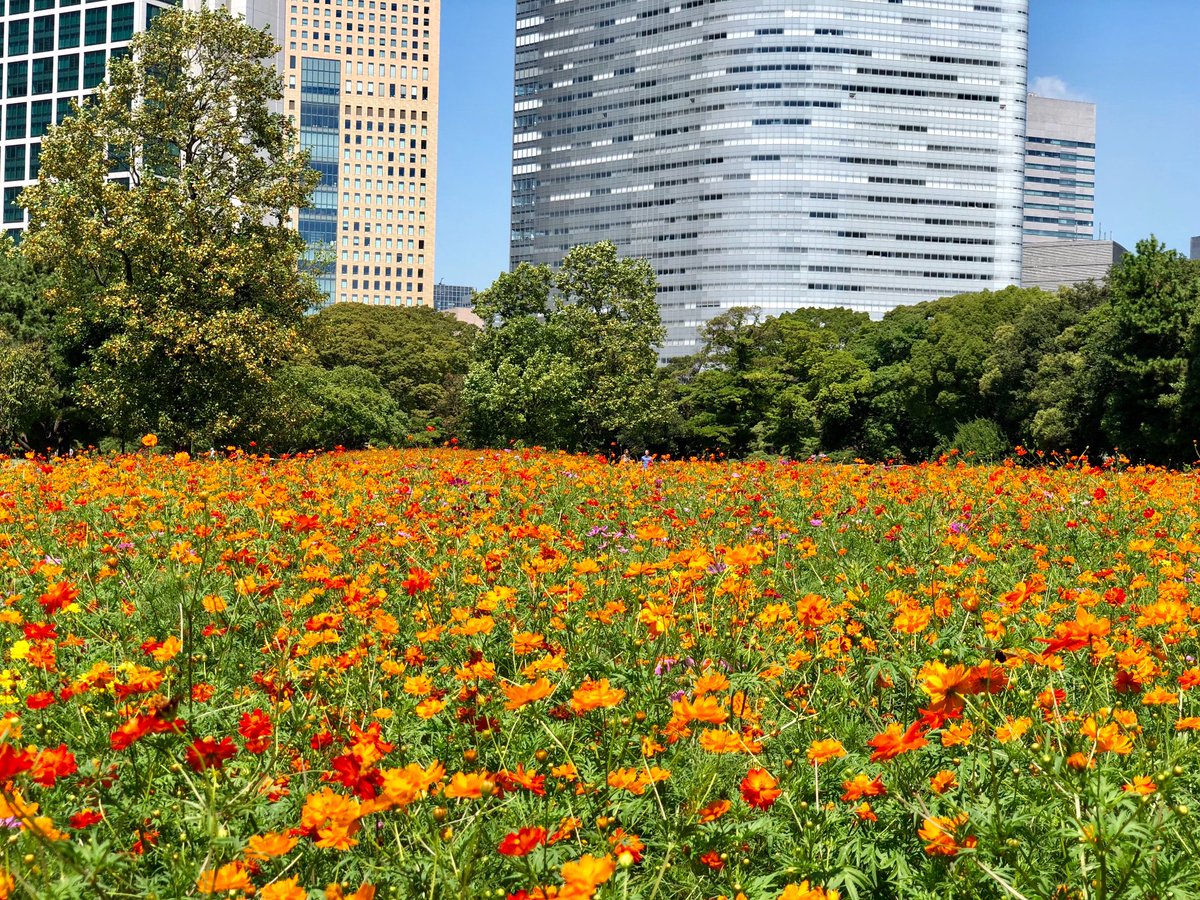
32	369
419	355
1153	393
164	206
928	361
566	358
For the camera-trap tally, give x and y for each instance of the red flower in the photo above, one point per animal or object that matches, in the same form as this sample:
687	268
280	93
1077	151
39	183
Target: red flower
418	580
52	764
256	728
892	742
209	753
40	631
523	842
13	762
40	700
58	596
85	819
760	789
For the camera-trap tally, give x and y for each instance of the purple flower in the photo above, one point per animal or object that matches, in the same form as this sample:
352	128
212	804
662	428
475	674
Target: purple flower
678	695
664	665
815	523
958	527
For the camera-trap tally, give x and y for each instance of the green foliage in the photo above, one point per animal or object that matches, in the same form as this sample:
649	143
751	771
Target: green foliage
419	355
31	367
567	358
928	363
326	408
981	439
164	206
1153	396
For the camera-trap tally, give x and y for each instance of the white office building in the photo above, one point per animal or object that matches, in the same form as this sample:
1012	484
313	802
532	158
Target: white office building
775	153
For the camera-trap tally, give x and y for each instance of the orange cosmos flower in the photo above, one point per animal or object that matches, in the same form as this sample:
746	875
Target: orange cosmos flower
288	889
429	707
860	786
523	842
821	752
523	694
1141	784
943	781
945	685
229	877
760	789
708	684
987	678
595	695
716	740
714	811
365	892
941	835
150	440
269	845
466	785
584	875
803	891
1107	738
894	741
702	709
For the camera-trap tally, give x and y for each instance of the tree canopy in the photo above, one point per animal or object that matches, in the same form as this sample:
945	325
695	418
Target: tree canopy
164	205
566	358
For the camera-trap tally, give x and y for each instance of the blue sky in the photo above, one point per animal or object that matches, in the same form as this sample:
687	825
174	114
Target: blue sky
1136	61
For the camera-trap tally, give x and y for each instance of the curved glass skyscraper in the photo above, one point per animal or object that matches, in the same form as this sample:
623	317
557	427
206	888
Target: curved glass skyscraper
775	153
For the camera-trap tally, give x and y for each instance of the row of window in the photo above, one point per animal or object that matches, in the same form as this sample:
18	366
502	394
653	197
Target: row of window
32	120
38	76
96	30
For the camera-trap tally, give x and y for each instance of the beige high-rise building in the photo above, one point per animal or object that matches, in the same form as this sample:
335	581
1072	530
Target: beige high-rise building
361	84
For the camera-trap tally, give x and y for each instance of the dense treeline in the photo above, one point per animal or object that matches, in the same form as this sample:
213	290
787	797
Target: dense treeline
161	288
1093	368
566	359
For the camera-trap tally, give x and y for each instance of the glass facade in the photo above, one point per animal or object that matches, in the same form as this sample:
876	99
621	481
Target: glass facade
1060	170
45	68
320	99
775	153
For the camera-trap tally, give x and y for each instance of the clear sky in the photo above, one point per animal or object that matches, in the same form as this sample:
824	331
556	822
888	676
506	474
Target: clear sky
1137	61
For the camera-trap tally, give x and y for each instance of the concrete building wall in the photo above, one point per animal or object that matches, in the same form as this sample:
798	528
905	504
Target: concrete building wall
361	82
1060	170
775	154
1053	264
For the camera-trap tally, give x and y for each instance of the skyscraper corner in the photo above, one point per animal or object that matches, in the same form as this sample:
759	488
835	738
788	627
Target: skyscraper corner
855	153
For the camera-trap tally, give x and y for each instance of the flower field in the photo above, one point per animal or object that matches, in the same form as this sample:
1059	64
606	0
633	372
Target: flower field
449	674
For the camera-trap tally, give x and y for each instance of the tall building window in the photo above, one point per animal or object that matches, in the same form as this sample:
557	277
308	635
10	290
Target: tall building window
12	210
95	27
93	68
43	34
122	22
43	75
40	112
62	109
14	163
68	30
18	79
18	37
68	72
14	126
